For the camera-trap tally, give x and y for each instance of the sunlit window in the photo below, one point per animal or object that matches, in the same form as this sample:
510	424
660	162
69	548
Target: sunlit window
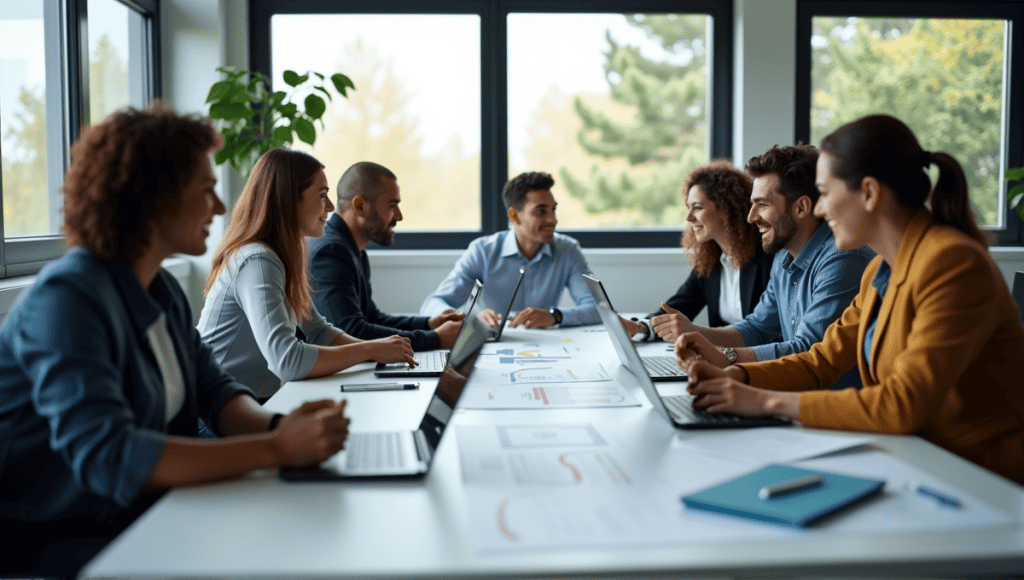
615	107
23	137
943	77
115	78
415	109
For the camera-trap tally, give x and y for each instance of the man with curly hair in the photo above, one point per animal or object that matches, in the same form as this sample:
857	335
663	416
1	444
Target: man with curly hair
811	281
552	262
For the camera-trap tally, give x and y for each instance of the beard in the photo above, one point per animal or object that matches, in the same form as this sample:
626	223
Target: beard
379	232
782	233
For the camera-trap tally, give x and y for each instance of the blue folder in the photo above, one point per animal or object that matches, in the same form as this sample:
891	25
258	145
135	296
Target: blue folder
799	509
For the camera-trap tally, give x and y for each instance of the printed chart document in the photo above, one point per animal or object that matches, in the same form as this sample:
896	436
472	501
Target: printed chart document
526	350
525	396
518	374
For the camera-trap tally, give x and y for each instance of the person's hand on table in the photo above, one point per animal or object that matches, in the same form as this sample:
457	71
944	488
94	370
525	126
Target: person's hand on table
447	332
446	316
490	318
672	324
533	317
694	345
311	433
392	349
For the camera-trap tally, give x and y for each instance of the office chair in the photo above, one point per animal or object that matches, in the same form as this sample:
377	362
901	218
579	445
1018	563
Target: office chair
1018	292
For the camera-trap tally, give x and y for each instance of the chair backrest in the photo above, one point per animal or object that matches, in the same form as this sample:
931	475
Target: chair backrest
1018	292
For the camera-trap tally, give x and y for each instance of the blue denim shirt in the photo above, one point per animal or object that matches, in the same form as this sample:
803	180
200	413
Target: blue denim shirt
806	294
82	420
881	284
495	260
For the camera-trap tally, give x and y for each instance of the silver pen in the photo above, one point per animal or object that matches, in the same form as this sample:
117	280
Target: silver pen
791	486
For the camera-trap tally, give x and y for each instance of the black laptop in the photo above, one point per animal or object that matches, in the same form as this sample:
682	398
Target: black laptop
676	409
405	454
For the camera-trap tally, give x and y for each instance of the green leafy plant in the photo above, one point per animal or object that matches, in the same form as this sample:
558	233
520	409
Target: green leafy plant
1016	193
255	119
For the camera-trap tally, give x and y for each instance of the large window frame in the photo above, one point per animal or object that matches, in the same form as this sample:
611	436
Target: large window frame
1012	234
67	76
493	70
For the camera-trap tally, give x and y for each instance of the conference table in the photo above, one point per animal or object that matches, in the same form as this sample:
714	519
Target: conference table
261	526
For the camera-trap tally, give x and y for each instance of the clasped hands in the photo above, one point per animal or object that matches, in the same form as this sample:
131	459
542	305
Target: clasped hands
447	326
531	317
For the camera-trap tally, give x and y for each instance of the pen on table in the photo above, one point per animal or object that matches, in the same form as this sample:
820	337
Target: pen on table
379	387
935	495
791	486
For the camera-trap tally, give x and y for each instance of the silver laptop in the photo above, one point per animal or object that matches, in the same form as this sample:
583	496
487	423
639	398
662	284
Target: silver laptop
428	363
676	409
405	453
659	368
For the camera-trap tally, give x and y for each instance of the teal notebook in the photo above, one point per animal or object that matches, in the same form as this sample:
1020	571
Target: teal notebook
801	508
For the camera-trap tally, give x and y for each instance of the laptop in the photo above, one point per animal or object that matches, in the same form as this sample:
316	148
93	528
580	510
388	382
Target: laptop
677	409
659	368
405	454
429	363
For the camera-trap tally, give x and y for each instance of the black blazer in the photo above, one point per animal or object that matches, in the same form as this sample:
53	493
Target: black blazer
696	292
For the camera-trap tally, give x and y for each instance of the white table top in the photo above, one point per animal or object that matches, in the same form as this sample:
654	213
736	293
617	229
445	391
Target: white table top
260	526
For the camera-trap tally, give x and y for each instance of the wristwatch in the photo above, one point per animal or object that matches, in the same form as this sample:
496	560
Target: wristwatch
556	313
730	354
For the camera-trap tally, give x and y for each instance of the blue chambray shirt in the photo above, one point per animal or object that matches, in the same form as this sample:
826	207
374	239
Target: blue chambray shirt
805	295
82	419
495	260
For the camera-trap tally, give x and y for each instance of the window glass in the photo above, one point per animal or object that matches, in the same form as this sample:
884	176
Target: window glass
415	108
613	106
943	77
115	77
23	120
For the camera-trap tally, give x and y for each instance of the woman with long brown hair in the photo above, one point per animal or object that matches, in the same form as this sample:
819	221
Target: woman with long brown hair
257	293
730	268
934	331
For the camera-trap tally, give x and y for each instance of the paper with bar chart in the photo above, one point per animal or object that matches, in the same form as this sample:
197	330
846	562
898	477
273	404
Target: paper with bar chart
551	372
525	396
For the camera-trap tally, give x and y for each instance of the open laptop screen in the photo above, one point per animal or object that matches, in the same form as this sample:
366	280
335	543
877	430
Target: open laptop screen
453	379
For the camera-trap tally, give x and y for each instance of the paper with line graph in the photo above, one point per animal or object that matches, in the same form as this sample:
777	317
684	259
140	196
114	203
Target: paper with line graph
525	396
551	372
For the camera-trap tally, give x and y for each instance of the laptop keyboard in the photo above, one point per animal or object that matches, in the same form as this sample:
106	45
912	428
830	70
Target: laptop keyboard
662	366
374	451
430	361
681	407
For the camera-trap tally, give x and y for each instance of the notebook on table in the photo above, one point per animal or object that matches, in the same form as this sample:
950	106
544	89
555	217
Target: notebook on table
677	409
405	453
659	368
744	496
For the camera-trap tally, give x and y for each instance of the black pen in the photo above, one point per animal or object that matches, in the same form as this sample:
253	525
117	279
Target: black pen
379	387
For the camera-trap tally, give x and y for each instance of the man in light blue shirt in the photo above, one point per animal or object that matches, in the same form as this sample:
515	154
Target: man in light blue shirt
811	284
552	262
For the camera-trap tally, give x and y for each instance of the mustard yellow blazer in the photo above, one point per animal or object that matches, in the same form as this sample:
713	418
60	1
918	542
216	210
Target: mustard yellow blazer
947	359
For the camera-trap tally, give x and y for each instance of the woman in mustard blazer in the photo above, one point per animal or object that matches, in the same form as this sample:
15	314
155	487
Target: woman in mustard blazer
934	331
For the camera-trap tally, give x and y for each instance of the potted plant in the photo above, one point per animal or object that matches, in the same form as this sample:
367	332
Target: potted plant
255	119
1016	193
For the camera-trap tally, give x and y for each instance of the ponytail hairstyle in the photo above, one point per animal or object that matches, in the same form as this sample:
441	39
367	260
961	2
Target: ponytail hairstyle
266	212
883	147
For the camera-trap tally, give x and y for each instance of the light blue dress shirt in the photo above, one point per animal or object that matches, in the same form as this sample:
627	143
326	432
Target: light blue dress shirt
806	294
495	260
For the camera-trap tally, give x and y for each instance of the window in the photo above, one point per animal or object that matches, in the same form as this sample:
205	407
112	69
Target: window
60	69
617	100
946	72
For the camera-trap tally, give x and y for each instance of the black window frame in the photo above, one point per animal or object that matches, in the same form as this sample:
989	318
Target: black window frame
1013	11
27	255
493	79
